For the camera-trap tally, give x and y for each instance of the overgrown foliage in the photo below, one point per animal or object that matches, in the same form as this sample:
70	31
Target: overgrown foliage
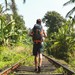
15	43
10	55
12	29
61	44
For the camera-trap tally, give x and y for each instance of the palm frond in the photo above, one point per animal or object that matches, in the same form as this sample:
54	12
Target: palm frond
67	3
70	12
73	1
6	3
24	1
5	10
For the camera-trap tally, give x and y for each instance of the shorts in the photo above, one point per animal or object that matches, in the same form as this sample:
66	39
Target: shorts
37	48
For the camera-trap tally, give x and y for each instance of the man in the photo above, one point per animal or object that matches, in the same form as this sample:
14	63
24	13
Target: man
37	35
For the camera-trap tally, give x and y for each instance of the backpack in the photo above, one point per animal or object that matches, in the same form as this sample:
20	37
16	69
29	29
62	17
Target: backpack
37	33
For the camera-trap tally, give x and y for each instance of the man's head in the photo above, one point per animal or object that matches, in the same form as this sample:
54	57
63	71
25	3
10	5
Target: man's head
38	21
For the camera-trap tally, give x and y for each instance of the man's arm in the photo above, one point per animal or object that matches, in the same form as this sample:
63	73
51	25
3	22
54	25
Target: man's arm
31	33
45	35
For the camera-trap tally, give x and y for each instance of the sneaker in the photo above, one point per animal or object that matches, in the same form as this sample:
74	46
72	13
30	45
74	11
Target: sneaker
39	69
36	70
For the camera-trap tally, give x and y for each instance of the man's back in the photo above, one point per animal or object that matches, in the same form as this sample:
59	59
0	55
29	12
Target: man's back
37	33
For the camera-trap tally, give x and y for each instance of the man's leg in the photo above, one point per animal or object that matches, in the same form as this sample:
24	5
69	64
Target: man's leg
35	56
36	62
40	60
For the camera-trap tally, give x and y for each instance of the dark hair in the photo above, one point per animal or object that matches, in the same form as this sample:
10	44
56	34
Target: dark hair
38	21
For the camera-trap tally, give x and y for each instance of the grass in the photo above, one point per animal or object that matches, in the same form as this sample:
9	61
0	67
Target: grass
10	55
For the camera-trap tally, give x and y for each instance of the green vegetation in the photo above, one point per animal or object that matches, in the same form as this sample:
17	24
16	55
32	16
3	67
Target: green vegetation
61	43
53	20
9	56
15	43
59	70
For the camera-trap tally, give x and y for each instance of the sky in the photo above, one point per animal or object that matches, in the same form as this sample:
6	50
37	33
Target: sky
34	9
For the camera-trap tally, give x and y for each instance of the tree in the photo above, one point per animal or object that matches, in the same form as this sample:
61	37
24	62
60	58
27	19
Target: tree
6	2
53	21
72	10
13	7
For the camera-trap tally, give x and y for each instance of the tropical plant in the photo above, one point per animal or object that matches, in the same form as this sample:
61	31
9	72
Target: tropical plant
6	28
61	44
12	26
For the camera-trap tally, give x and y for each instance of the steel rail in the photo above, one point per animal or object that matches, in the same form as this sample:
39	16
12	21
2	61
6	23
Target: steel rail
67	70
10	69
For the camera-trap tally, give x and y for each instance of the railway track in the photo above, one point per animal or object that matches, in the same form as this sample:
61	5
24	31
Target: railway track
48	67
67	71
11	69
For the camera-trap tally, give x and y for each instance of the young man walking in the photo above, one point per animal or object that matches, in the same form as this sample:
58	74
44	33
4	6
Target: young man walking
37	35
